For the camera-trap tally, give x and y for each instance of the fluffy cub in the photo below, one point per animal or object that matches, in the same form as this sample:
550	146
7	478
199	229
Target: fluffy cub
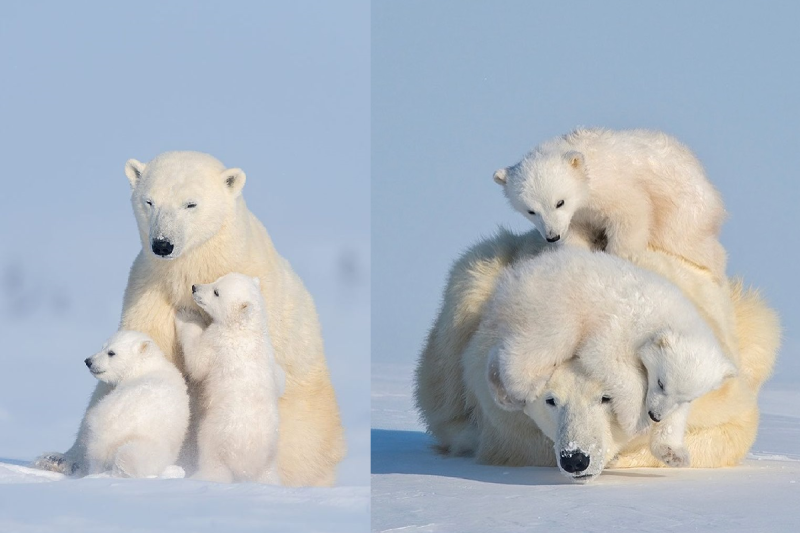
240	382
638	188
137	429
616	318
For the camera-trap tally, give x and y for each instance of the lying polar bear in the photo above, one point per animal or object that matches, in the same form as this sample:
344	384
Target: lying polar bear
615	317
722	424
138	428
233	361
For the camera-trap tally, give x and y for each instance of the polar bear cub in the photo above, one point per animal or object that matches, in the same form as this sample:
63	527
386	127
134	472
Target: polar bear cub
137	429
636	188
240	381
617	319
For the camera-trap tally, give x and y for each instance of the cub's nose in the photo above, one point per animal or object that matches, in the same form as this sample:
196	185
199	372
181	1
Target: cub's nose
194	289
88	362
162	247
553	239
653	416
574	462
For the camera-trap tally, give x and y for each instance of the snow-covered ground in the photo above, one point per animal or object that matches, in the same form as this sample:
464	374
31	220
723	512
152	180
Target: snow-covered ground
416	490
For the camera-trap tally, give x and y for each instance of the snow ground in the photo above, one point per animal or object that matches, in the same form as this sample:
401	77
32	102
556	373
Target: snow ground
416	490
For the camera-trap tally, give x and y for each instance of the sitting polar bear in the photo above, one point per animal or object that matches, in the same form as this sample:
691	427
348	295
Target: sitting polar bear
454	398
137	429
615	317
639	187
195	227
233	362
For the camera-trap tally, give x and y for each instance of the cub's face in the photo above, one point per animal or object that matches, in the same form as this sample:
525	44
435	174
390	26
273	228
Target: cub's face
547	189
231	298
119	357
181	200
680	369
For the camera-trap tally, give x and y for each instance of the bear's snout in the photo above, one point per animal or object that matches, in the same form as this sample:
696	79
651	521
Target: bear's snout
653	416
574	461
162	247
88	362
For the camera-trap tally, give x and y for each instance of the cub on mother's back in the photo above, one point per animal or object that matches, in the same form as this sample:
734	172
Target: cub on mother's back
639	188
234	362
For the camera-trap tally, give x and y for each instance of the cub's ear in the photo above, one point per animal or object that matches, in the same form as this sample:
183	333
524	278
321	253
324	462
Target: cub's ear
144	346
574	159
499	392
257	282
730	370
244	309
134	170
234	179
501	176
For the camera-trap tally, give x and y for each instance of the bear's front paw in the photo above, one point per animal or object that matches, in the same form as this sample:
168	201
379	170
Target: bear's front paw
673	455
189	322
56	462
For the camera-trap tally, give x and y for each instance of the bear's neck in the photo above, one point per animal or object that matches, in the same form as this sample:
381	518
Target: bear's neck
227	251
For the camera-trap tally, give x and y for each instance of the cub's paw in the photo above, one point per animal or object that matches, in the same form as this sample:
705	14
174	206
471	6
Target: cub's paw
189	322
56	462
674	455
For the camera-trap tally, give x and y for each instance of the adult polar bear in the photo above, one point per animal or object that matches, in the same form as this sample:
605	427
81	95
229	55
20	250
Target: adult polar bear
722	424
195	228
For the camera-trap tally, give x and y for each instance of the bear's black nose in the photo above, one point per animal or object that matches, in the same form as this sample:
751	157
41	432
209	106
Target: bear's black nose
162	247
573	462
194	289
653	417
88	362
553	239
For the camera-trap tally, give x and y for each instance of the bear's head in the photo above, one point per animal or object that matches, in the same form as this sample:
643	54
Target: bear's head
681	367
181	200
232	299
547	187
573	410
125	355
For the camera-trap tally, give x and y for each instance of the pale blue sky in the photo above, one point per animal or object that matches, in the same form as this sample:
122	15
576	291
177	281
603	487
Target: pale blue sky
460	89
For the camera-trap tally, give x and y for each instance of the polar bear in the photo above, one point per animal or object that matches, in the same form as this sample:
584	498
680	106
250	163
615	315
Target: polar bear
195	227
722	424
615	317
638	187
233	362
137	429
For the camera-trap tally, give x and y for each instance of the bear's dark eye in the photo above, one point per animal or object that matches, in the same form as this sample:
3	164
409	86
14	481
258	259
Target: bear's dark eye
605	399
531	211
191	205
111	353
660	385
216	292
550	401
149	202
559	204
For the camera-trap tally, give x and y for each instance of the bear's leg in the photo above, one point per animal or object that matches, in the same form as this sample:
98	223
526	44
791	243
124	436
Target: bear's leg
140	458
666	438
629	226
210	465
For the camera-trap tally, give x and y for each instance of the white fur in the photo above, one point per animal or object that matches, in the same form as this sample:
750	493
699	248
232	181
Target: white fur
617	318
217	236
137	429
241	383
637	187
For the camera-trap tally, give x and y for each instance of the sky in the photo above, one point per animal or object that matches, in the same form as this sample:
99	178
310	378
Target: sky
279	89
462	89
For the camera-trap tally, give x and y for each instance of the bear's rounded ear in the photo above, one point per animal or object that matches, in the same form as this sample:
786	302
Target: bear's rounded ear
499	392
257	282
134	170
501	176
144	346
234	179
574	159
